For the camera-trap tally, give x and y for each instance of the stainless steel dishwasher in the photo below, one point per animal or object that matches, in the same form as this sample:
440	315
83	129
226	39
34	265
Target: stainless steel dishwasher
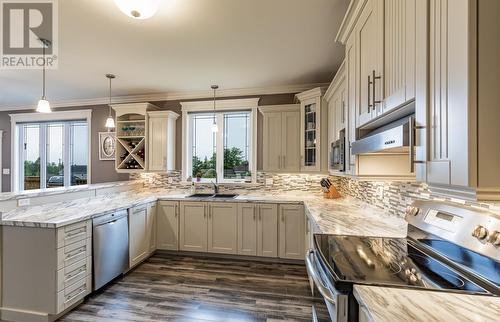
110	247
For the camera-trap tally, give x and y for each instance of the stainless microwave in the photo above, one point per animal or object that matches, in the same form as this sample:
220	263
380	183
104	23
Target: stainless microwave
337	153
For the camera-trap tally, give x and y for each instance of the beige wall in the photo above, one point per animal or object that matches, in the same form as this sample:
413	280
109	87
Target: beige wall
103	171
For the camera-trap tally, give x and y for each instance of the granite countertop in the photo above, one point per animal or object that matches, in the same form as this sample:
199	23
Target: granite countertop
385	304
346	216
4	196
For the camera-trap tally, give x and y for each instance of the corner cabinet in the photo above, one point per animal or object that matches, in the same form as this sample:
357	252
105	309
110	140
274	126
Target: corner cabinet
281	138
313	129
161	140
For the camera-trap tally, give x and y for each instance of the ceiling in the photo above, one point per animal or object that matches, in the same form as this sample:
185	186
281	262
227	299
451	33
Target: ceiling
187	46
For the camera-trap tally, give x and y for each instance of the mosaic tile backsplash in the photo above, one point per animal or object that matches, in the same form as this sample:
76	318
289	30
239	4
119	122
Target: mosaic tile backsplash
393	196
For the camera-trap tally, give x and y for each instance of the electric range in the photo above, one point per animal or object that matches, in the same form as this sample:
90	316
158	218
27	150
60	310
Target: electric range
448	248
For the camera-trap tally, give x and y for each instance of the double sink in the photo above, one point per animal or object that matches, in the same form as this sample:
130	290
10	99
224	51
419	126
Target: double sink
212	196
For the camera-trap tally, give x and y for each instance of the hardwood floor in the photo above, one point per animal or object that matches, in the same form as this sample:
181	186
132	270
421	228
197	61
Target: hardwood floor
179	288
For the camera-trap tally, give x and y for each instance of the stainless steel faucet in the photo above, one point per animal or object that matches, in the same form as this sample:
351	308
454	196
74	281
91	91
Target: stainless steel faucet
216	186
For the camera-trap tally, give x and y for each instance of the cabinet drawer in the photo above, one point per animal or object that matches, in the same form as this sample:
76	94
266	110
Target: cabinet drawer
73	273
73	233
74	253
73	293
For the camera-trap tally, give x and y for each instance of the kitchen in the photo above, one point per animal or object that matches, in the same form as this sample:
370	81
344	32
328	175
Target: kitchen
352	179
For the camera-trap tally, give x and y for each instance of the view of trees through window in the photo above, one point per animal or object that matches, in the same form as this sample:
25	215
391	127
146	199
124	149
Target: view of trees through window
50	141
236	145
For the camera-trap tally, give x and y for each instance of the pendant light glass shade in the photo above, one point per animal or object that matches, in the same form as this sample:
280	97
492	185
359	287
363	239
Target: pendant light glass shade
138	9
215	128
110	121
43	106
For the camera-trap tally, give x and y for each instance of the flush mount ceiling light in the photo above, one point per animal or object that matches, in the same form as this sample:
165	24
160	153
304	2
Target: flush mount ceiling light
44	105
138	9
110	121
215	128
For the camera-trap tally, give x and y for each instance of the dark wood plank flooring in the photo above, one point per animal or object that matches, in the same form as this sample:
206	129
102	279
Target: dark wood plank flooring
179	288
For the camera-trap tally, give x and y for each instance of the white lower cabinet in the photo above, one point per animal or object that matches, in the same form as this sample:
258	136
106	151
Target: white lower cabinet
142	235
167	225
193	227
291	232
222	228
267	230
258	230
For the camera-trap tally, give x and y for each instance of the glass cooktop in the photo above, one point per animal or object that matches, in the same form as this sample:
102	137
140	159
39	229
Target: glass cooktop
386	261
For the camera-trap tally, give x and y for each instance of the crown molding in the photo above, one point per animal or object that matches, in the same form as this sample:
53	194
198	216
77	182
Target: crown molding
174	96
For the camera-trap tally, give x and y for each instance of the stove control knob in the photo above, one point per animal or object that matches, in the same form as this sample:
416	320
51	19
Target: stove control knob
412	211
480	232
495	238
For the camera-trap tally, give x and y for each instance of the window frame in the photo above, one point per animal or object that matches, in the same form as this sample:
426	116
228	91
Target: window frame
16	142
221	107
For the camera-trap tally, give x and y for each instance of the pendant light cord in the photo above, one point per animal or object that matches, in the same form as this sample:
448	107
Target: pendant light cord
109	105
43	70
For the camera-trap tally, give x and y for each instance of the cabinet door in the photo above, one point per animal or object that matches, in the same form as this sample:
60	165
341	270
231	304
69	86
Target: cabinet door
222	228
352	101
267	230
290	158
272	142
247	229
310	137
369	34
167	227
157	141
292	232
193	226
151	229
138	237
399	52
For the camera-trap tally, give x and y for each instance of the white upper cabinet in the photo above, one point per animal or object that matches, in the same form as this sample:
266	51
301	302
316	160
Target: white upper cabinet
281	151
369	41
161	140
313	129
399	52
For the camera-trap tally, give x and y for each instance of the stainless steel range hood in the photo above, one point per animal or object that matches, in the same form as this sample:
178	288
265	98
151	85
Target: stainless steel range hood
395	137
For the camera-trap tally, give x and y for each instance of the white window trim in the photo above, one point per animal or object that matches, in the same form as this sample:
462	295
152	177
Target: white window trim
49	117
251	104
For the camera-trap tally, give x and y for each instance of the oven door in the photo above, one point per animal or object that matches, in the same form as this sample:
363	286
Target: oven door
329	304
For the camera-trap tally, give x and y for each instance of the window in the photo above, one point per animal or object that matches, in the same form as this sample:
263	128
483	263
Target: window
50	150
226	155
53	154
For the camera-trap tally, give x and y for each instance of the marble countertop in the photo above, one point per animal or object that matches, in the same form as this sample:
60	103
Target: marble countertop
385	304
4	196
346	216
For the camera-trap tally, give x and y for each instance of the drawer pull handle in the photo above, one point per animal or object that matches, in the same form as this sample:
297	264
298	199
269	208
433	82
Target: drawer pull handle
75	253
75	273
76	293
75	234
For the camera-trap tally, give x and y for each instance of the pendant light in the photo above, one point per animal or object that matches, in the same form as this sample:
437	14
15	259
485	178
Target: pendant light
138	9
44	105
215	128
110	121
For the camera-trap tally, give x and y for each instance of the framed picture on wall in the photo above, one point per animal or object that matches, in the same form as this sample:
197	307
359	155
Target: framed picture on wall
107	146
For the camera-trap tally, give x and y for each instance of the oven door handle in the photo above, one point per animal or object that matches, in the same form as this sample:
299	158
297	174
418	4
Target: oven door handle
325	292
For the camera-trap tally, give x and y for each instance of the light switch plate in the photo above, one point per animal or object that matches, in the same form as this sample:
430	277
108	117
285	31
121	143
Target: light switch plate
170	180
269	181
380	192
6	171
23	202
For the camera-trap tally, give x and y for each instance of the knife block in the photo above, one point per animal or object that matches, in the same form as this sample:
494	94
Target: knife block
332	193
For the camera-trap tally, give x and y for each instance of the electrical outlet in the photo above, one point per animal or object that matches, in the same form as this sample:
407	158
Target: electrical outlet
23	202
269	181
380	192
170	180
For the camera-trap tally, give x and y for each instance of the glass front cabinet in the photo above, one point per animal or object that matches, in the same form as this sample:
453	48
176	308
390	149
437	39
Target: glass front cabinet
313	128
